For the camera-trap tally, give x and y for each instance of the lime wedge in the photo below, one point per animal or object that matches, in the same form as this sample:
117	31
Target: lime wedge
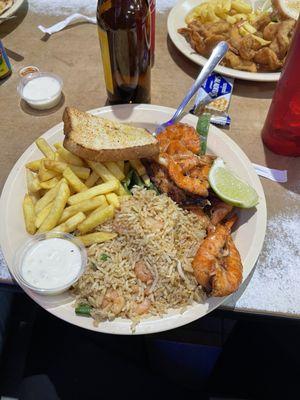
230	188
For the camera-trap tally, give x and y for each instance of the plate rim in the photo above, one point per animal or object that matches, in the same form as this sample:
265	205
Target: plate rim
12	10
148	328
200	60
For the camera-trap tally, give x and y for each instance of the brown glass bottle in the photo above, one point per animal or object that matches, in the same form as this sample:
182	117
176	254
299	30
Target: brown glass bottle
124	33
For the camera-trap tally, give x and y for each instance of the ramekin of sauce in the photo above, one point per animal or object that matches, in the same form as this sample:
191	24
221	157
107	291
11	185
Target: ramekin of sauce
50	263
41	90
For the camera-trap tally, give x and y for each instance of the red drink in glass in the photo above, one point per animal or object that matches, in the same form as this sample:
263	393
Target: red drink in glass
281	132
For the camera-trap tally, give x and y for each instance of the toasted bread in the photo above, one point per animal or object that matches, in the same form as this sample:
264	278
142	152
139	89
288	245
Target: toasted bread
99	139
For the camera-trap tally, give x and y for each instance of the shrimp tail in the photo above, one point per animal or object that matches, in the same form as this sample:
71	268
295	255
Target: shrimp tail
230	222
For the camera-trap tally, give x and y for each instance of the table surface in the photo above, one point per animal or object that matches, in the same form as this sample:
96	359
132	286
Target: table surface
74	54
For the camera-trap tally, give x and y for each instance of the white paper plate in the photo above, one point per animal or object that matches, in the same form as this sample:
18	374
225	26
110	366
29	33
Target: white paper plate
176	20
248	237
12	10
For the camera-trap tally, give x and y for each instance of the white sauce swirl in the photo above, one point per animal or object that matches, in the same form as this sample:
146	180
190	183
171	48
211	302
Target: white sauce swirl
51	264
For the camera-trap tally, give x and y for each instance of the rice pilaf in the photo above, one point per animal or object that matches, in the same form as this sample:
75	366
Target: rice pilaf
146	270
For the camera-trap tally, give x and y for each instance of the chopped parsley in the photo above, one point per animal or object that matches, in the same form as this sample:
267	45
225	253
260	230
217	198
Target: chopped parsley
104	257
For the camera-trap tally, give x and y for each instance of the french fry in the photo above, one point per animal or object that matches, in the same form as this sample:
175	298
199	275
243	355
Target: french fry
103	188
113	199
121	165
249	28
115	170
48	197
35	197
138	166
226	5
230	19
241	7
67	156
33	183
96	237
70	224
55	165
29	214
45	148
81	172
74	181
97	217
261	41
34	166
49	184
60	166
44	174
92	179
57	209
102	171
42	215
121	191
84	206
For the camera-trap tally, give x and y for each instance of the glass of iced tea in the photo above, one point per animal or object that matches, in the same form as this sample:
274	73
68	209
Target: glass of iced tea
281	132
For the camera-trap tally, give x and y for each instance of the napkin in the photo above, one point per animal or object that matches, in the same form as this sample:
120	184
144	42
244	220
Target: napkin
67	21
275	175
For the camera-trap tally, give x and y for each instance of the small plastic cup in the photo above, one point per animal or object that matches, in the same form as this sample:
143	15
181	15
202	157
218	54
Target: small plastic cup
45	94
22	252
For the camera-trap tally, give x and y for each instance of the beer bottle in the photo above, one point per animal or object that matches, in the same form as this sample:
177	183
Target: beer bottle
5	67
125	39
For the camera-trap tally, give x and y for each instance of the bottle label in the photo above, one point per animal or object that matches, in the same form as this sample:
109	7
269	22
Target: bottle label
4	62
106	60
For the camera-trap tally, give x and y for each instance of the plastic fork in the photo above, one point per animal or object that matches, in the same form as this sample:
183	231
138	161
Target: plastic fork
216	56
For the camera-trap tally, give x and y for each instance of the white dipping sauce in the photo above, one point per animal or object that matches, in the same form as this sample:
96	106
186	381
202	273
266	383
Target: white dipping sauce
51	264
42	92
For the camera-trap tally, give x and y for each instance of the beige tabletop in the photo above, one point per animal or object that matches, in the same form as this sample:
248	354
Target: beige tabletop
74	54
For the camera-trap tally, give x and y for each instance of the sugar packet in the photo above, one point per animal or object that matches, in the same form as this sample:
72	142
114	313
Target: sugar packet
214	97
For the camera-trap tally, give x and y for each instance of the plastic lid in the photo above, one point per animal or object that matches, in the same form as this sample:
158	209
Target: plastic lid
28	70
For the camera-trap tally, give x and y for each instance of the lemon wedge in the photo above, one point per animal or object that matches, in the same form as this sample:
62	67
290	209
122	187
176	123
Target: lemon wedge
230	188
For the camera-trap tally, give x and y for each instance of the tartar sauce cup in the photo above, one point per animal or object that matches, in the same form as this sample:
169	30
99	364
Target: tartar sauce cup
41	90
50	263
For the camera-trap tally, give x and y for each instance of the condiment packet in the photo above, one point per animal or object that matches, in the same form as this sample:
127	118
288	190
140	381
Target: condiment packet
69	20
214	97
276	175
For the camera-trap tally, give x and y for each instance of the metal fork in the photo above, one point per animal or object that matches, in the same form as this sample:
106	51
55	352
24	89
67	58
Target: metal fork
216	56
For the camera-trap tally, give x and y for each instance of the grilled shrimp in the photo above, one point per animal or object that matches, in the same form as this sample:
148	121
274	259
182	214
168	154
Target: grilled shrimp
113	301
143	273
229	275
219	211
217	264
143	307
183	133
188	183
205	260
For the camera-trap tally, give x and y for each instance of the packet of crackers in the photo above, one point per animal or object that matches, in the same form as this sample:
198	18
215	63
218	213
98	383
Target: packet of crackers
214	97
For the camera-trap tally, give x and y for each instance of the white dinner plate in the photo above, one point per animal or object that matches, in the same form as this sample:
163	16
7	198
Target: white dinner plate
249	235
176	20
12	10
